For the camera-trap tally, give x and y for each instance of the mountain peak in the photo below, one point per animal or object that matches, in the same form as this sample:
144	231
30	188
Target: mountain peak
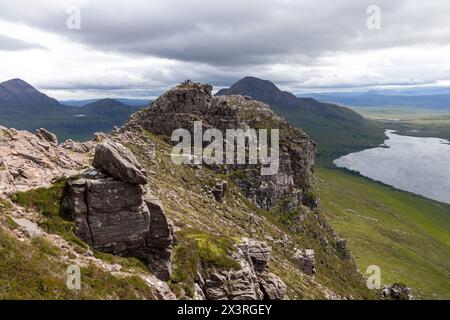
17	96
262	90
17	84
106	102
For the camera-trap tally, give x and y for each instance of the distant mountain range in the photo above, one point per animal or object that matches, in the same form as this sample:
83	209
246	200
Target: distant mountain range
423	99
127	101
336	129
24	107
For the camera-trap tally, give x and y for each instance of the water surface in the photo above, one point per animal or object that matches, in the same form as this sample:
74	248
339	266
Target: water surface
418	165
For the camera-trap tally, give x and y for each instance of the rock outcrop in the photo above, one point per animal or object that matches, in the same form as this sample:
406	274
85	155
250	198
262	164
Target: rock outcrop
396	291
119	162
219	190
159	239
252	282
47	136
292	185
111	212
341	247
79	147
305	260
34	160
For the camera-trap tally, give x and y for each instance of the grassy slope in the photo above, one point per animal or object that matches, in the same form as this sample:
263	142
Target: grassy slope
186	196
411	121
336	134
36	269
406	235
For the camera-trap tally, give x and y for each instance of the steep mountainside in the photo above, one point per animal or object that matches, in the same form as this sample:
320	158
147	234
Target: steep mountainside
337	130
17	96
406	235
207	231
126	101
105	108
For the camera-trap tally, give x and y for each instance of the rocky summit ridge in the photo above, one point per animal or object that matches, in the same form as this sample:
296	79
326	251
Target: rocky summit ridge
189	102
202	231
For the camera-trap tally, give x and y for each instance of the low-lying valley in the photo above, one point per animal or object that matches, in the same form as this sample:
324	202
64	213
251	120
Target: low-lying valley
139	226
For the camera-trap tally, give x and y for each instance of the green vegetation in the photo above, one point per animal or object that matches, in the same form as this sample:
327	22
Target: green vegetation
127	263
411	121
405	234
5	205
47	202
200	252
186	195
33	271
336	130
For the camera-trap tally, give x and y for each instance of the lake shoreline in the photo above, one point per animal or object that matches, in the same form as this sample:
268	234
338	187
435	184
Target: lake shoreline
403	162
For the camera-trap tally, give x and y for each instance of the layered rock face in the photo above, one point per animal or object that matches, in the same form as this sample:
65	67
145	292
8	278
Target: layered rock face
111	212
292	185
252	282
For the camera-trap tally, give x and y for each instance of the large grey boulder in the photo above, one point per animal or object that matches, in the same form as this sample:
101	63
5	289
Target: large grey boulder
112	214
271	286
159	239
161	227
47	136
109	214
119	162
259	253
233	285
305	260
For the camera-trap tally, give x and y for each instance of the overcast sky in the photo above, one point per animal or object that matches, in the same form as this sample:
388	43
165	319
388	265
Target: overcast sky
138	48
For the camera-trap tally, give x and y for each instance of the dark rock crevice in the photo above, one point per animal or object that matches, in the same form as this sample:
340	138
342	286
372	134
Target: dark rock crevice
86	199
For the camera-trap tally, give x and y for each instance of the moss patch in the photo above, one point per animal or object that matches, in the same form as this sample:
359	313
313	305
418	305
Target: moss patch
47	202
5	205
200	252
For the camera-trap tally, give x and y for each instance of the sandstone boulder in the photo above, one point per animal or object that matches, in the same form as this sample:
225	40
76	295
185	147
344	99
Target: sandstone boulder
117	161
305	260
81	147
109	214
47	136
259	253
113	215
161	227
159	239
271	286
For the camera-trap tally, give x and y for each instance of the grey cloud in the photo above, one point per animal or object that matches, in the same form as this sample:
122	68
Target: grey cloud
221	41
11	44
254	32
